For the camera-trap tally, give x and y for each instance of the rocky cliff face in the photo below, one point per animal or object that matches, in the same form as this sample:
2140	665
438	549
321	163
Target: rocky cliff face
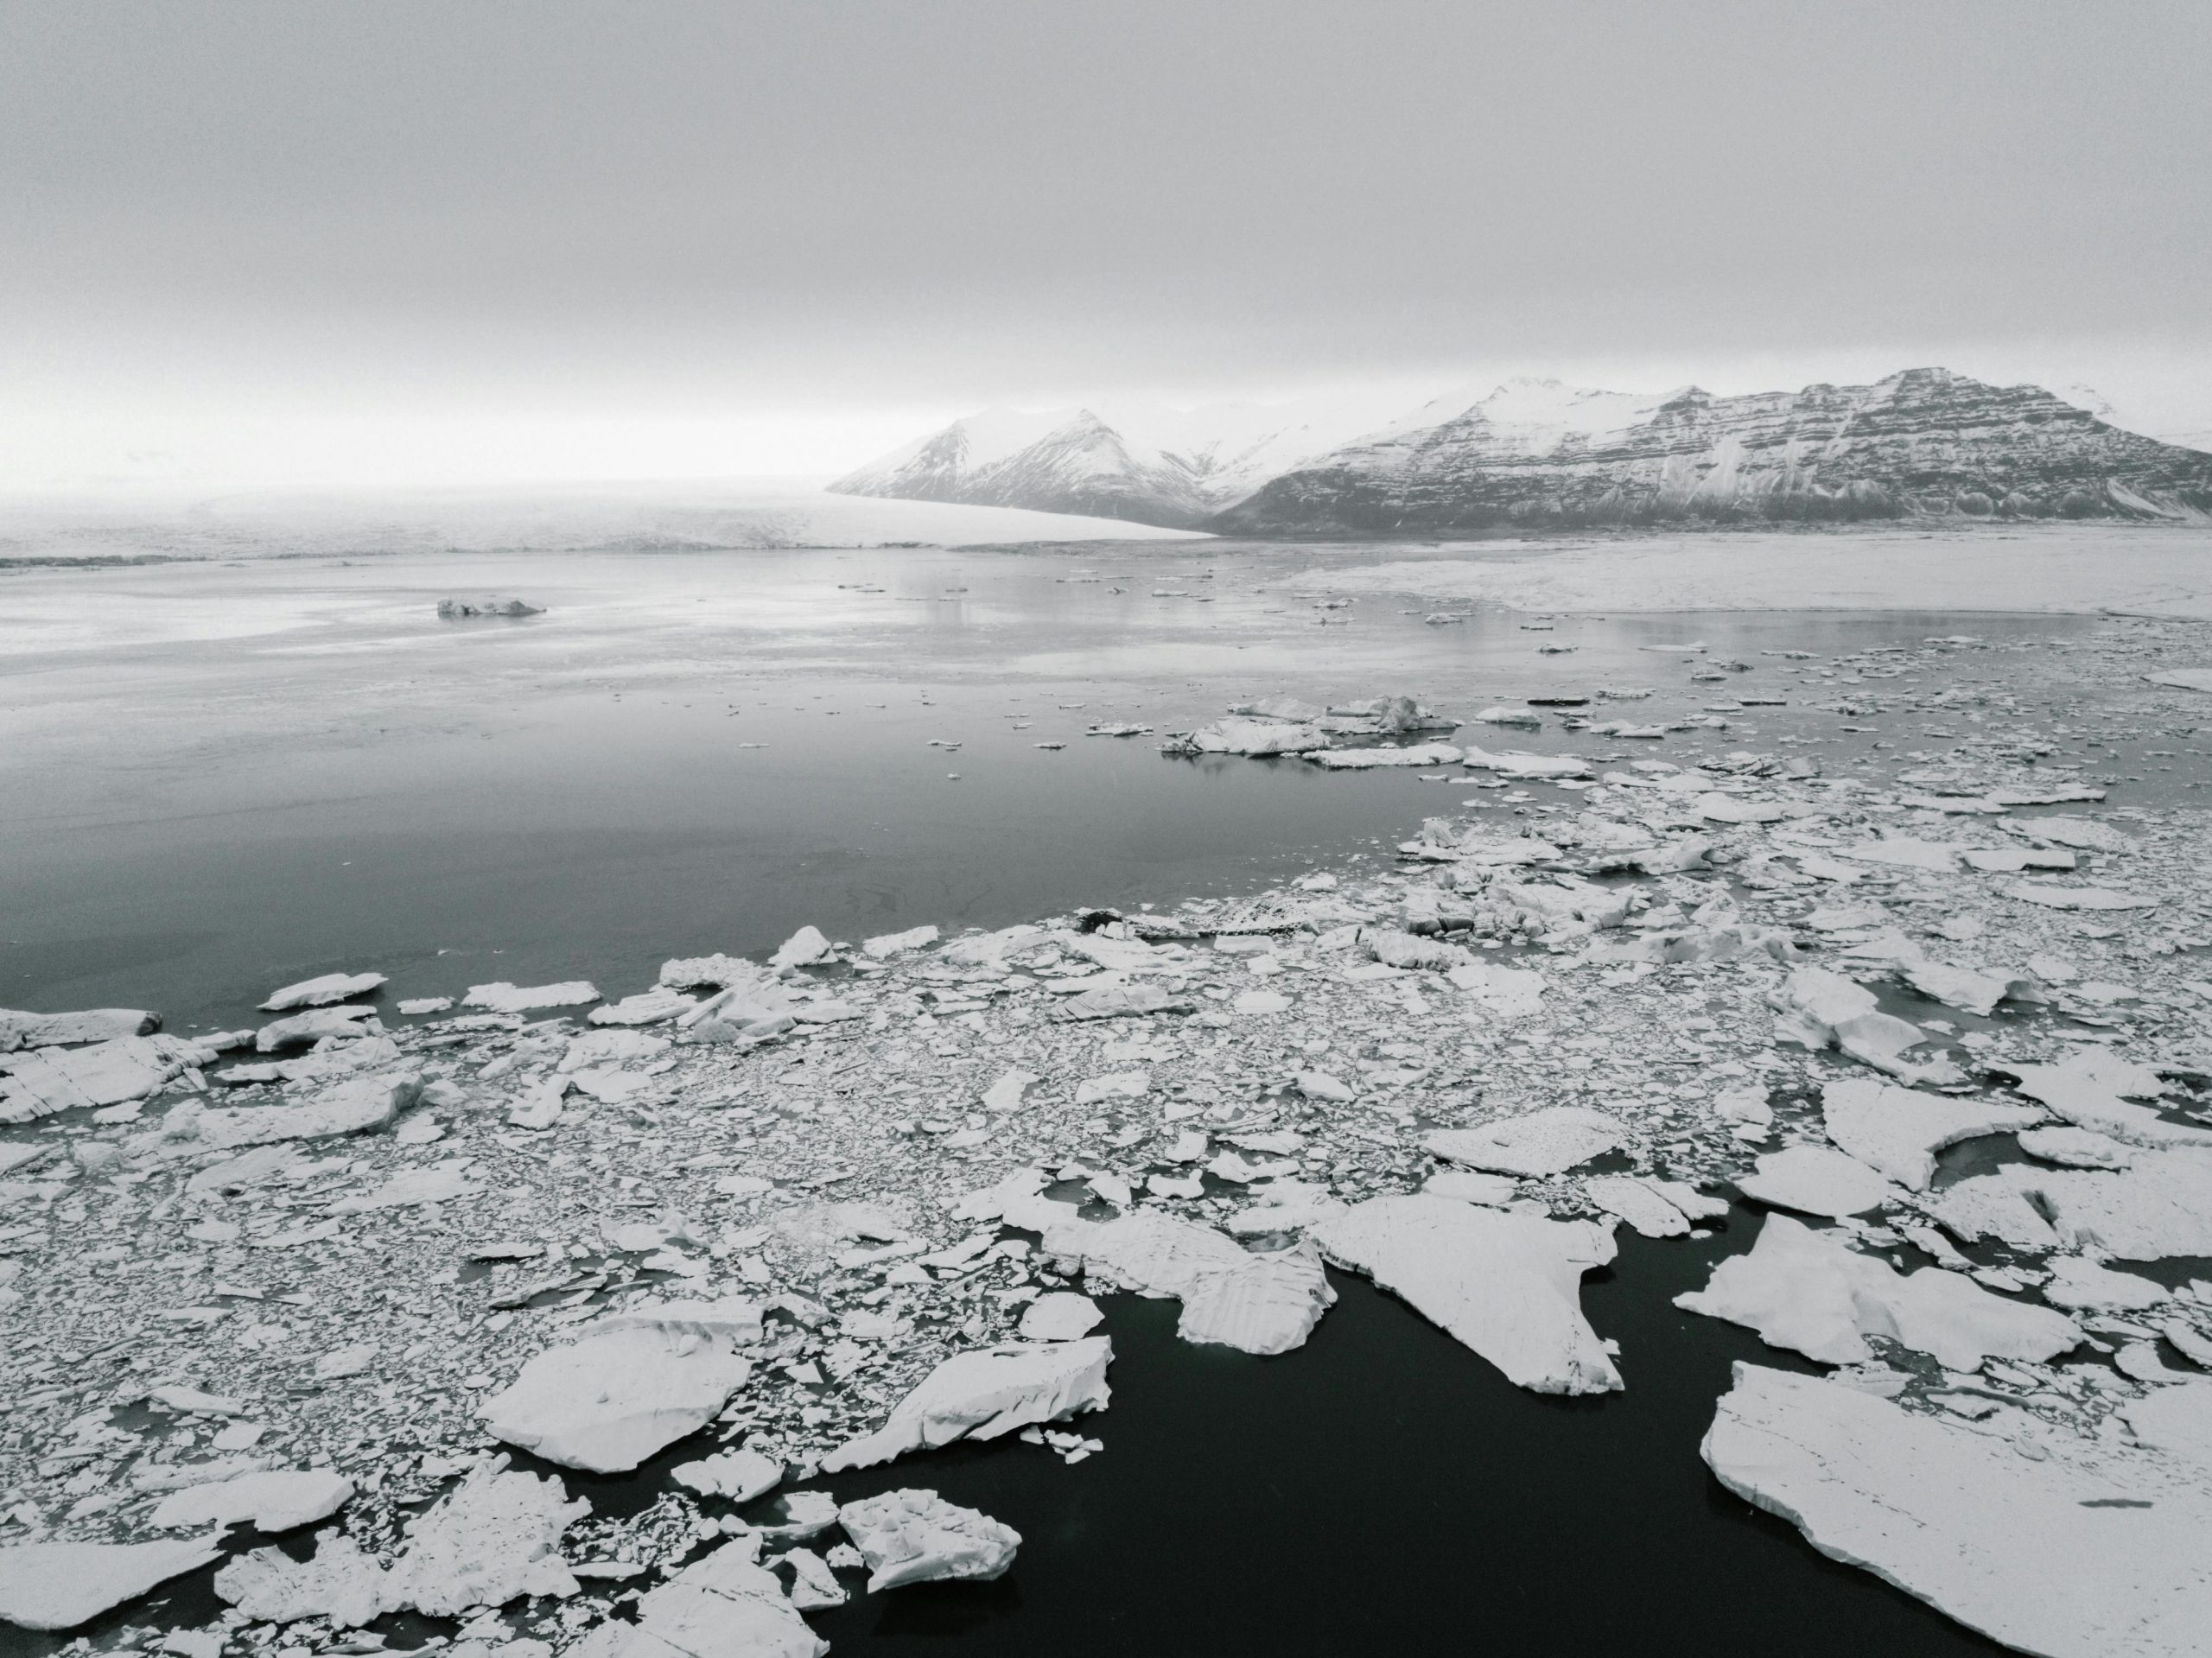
1925	442
1149	465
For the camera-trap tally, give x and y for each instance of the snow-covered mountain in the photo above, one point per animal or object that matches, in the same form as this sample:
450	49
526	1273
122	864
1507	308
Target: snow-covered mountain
1926	442
1144	464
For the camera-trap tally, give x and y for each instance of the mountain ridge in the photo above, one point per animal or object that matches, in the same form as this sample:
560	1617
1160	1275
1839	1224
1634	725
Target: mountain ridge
1532	454
1924	442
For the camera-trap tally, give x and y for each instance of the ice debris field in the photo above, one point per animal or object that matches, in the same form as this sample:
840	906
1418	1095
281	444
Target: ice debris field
387	1270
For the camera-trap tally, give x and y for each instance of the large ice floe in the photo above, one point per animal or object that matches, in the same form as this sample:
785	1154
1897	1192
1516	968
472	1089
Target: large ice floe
1507	1286
2052	1543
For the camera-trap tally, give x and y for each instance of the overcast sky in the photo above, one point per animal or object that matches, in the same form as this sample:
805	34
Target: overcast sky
456	239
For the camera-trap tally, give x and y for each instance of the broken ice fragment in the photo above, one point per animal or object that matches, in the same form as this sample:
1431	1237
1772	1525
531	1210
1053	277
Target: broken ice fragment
504	998
1263	1304
1650	1214
725	1605
737	1475
339	1583
22	1030
494	1537
886	945
1897	1131
1059	1316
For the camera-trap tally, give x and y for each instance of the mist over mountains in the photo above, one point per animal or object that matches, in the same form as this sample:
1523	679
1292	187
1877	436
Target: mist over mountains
1531	455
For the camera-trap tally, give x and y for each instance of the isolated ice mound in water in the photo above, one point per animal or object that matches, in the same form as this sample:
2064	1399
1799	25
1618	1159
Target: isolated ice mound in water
61	1585
457	609
2091	1549
1537	1144
1231	1297
984	1393
1807	1291
917	1537
318	993
1507	1286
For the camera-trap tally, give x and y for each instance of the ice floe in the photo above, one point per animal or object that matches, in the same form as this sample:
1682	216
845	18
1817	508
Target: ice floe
2071	1548
1507	1286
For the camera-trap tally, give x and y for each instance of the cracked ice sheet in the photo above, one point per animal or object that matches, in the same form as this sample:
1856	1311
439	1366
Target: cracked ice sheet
2094	1550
